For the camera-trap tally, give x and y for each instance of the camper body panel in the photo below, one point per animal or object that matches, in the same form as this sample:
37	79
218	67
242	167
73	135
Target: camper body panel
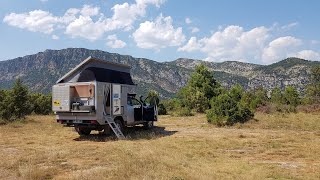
63	94
100	94
109	99
61	98
105	99
74	93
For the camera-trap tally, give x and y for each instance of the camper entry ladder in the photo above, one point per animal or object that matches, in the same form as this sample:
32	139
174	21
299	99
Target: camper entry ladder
115	128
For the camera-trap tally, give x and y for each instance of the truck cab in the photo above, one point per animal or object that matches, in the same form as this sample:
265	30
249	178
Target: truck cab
141	111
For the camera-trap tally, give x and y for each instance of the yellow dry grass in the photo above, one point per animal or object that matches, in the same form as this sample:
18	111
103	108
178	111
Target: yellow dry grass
270	147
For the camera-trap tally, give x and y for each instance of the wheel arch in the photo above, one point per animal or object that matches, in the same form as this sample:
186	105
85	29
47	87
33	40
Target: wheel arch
121	119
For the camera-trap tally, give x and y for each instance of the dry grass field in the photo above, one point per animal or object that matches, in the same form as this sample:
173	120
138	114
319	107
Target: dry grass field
269	147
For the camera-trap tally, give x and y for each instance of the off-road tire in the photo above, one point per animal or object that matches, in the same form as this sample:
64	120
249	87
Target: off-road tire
83	131
148	125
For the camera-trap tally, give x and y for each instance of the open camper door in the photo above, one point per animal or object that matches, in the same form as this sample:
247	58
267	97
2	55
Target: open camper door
116	99
61	98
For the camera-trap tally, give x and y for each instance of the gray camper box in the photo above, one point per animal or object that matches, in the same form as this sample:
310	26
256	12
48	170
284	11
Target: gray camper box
99	95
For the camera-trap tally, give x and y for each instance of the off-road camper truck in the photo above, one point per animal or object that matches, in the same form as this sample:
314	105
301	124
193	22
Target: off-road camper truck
99	95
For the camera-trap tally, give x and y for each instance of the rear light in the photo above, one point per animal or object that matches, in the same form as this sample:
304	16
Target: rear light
93	122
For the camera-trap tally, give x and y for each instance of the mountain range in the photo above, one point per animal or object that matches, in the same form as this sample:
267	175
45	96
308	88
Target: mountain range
41	70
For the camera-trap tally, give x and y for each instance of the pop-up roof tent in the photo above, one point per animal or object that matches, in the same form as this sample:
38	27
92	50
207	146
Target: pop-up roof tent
93	69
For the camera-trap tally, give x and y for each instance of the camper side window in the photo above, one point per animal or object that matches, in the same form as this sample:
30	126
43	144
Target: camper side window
129	101
132	101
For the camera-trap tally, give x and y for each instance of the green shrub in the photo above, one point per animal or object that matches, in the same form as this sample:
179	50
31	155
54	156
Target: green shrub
222	110
4	100
184	111
161	109
199	90
171	104
229	108
15	103
248	100
313	89
277	100
291	97
214	118
261	97
153	97
41	104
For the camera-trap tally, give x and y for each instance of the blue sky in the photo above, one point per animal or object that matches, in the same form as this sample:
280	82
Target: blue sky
255	31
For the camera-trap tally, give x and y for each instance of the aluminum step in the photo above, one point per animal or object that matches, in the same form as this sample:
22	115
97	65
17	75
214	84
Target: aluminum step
115	128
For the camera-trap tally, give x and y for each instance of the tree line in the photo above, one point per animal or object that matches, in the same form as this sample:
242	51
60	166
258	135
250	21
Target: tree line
18	102
204	94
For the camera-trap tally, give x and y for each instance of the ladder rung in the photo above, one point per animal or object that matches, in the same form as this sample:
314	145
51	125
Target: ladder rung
115	128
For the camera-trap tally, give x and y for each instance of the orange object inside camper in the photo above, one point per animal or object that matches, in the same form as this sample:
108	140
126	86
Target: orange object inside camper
83	90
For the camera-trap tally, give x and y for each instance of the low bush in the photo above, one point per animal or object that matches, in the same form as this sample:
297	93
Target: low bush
229	108
162	109
184	111
18	102
171	104
310	108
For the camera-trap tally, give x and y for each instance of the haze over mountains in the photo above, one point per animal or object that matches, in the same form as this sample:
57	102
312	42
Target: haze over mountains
40	71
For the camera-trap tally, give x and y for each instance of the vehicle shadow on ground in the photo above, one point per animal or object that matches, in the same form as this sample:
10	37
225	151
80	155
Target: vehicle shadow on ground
133	133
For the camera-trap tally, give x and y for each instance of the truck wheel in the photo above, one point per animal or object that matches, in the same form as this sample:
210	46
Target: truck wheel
82	131
148	125
121	126
107	130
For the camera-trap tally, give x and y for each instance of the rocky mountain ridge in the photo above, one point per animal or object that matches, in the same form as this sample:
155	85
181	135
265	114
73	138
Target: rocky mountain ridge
40	71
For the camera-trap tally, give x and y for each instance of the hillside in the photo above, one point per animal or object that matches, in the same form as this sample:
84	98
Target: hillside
232	67
40	71
290	71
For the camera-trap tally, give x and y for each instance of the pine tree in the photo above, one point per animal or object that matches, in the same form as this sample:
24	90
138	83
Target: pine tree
40	103
4	112
313	89
200	89
2	96
19	102
276	95
261	96
277	98
291	98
